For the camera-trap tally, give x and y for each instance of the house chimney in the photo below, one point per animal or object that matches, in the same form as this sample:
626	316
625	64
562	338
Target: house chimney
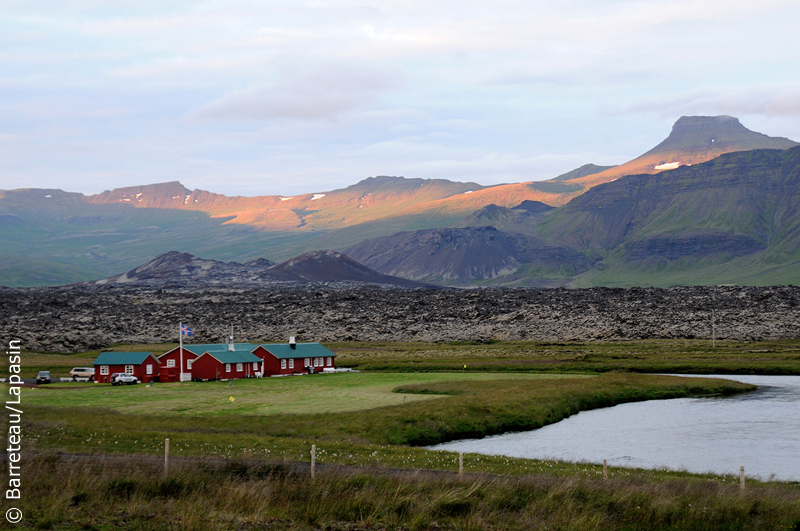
292	342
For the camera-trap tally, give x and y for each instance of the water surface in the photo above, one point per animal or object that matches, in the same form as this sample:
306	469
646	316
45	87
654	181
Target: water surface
758	430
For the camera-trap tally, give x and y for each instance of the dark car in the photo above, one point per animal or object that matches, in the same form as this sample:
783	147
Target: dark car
43	377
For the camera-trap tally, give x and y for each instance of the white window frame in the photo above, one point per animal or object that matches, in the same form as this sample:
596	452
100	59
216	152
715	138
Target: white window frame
255	365
291	363
239	367
128	369
330	361
149	368
170	363
283	364
317	362
189	364
104	370
227	367
307	362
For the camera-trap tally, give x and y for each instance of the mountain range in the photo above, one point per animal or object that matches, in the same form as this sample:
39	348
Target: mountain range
712	203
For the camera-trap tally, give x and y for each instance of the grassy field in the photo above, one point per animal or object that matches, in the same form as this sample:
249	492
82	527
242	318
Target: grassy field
238	447
326	393
659	356
465	406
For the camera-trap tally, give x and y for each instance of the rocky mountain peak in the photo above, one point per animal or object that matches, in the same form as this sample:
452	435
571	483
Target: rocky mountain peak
713	135
686	124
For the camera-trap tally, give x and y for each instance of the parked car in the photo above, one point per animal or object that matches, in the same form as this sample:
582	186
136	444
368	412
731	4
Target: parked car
82	372
43	377
119	378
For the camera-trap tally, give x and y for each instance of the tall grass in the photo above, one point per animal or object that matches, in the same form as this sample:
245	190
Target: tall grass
63	492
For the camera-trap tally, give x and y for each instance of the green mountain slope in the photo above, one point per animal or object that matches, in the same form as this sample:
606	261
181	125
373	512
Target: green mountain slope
733	219
52	237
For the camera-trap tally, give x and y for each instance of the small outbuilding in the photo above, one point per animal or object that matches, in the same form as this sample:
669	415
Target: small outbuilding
144	365
294	358
226	365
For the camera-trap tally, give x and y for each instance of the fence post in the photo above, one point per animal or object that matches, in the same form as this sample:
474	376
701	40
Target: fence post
605	470
460	465
313	458
166	457
741	477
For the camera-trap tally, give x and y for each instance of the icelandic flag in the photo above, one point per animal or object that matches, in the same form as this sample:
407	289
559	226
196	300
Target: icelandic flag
186	331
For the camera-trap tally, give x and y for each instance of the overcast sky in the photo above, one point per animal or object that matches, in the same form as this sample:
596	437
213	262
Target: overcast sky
284	97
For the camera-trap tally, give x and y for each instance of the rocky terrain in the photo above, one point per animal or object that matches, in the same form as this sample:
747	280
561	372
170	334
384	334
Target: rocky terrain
78	318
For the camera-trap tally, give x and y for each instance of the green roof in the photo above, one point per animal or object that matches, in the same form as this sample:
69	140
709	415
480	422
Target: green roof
219	347
229	356
121	358
301	350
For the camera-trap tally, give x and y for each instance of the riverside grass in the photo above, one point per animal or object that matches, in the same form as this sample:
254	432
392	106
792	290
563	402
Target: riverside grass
466	408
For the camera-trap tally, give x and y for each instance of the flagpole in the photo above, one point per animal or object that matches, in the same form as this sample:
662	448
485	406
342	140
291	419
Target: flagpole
180	350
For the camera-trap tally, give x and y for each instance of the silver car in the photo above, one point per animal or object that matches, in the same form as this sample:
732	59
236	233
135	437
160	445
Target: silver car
82	372
119	378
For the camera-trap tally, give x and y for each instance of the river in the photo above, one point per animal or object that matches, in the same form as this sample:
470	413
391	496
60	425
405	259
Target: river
758	430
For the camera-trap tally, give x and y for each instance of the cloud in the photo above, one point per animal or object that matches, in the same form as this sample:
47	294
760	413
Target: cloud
305	93
770	102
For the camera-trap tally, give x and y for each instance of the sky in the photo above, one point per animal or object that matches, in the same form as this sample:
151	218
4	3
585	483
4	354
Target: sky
287	97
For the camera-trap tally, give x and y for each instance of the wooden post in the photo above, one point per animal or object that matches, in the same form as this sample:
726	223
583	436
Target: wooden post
605	470
460	465
166	457
313	458
741	477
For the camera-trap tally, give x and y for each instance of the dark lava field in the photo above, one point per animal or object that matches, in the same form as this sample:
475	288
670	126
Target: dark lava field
79	318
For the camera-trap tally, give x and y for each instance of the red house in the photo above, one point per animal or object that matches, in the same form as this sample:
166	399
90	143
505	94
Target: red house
170	363
171	359
226	365
294	358
143	365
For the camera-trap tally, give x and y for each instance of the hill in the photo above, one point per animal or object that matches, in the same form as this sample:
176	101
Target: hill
184	270
522	219
464	255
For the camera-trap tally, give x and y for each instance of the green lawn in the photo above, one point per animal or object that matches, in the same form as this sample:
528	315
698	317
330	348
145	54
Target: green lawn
327	393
